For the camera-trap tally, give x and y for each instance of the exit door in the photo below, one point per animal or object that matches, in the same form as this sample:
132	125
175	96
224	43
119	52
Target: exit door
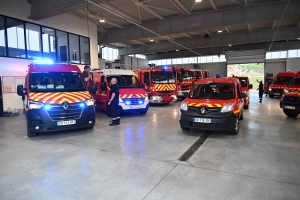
1	99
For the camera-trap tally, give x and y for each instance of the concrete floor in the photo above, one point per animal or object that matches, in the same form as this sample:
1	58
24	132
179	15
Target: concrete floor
139	159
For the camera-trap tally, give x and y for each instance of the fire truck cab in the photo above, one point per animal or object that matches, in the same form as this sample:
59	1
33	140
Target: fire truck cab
185	81
205	73
197	74
160	84
290	101
279	83
57	99
213	104
132	95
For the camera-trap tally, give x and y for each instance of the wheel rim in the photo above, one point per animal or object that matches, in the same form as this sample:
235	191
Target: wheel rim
236	125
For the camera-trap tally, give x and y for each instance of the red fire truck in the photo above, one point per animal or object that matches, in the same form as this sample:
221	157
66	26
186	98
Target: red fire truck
132	96
279	83
57	99
185	81
160	84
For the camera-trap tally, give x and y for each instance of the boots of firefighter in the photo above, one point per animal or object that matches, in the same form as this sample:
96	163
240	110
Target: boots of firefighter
118	121
114	123
260	100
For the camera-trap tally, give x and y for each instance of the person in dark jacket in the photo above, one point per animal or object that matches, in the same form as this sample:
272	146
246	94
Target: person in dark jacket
114	102
260	90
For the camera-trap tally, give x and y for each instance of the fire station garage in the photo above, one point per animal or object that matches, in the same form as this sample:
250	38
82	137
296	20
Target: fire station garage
150	99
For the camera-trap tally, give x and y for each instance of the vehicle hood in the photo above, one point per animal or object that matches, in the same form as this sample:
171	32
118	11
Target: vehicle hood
292	94
208	103
278	86
293	88
132	93
59	97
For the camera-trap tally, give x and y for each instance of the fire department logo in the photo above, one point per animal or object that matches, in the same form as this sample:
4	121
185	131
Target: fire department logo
65	105
203	110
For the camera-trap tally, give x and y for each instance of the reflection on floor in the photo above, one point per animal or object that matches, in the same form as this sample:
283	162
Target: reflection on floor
139	159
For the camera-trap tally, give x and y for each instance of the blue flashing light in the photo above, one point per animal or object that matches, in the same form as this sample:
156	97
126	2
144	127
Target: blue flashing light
47	107
81	105
165	67
140	102
127	102
43	61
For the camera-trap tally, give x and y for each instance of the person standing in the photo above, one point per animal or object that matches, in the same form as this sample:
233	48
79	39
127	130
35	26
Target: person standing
87	75
260	90
114	102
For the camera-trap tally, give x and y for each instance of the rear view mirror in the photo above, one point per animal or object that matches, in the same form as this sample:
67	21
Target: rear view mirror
251	86
93	89
103	87
242	95
20	90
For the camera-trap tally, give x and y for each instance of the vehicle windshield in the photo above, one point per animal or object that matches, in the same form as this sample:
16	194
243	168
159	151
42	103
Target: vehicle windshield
126	81
295	81
187	75
163	77
282	80
56	82
243	81
212	91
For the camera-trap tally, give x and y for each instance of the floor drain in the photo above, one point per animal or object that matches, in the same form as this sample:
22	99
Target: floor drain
188	154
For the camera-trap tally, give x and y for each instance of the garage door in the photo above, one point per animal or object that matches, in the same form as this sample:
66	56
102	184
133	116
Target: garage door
246	56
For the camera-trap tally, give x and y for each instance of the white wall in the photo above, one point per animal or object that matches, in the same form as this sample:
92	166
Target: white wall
133	62
293	64
275	66
20	9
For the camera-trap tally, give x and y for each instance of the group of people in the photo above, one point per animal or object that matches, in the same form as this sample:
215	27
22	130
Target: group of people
114	95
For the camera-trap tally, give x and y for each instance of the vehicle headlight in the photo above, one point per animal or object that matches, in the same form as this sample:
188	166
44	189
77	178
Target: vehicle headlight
270	89
35	105
184	106
227	107
286	90
90	102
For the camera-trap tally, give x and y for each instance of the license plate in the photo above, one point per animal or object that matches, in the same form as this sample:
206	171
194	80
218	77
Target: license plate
65	123
184	93
289	107
135	107
202	120
277	94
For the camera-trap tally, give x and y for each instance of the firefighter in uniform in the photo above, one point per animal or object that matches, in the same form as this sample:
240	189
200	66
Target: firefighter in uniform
260	90
114	102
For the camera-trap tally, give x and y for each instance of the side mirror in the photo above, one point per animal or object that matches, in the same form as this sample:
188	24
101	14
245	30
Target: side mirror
103	87
242	95
251	86
20	90
93	89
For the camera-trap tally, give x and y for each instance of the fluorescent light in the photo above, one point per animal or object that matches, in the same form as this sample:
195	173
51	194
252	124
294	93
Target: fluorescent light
220	31
102	20
177	50
197	1
298	38
151	40
229	45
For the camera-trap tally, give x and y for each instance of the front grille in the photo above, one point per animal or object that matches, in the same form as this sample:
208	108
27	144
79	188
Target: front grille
57	112
209	110
291	99
277	90
133	101
206	125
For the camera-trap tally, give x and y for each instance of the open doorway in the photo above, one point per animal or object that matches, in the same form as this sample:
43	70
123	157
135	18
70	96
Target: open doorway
255	71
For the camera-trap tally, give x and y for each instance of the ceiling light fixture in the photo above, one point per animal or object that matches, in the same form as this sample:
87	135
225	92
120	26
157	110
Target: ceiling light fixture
220	31
177	50
298	38
229	45
197	1
151	40
102	20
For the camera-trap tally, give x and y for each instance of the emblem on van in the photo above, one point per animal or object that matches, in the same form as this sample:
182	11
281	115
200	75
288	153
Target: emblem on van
65	105
203	110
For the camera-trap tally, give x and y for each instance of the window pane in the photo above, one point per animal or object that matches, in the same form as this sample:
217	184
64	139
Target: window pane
299	53
215	59
2	37
174	61
85	50
169	62
48	36
179	61
163	62
275	55
185	60
283	54
33	41
15	37
209	59
158	62
203	59
192	60
269	55
293	54
62	46
74	48
222	58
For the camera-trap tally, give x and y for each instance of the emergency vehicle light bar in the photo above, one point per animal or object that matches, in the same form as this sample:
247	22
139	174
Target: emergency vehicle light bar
43	61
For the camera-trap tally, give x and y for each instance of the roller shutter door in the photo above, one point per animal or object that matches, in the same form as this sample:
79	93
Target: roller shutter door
246	56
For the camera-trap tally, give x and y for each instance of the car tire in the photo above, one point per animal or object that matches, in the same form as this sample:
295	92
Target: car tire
236	129
290	113
30	133
271	96
183	127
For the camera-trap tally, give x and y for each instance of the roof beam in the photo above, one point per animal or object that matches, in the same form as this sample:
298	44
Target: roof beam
249	27
227	29
44	8
246	2
186	35
205	20
149	10
241	37
180	6
137	42
212	3
274	24
94	16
